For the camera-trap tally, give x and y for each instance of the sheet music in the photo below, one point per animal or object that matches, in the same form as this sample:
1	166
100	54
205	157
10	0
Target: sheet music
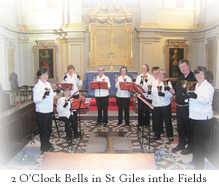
150	105
87	100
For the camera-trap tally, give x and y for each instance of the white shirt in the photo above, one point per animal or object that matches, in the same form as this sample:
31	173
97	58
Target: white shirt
144	86
160	101
201	108
103	92
75	81
43	105
63	112
122	93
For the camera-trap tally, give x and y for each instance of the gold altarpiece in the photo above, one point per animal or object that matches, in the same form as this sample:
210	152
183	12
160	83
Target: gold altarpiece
111	31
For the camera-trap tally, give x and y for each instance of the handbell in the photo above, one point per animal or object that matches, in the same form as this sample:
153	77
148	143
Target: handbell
165	82
159	88
149	87
191	86
184	83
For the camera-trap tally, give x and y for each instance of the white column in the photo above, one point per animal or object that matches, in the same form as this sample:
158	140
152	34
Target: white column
199	13
149	10
75	13
3	73
24	63
217	66
65	13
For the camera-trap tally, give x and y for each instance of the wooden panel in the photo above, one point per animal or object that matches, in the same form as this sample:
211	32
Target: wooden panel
13	134
15	130
77	161
25	126
33	119
3	140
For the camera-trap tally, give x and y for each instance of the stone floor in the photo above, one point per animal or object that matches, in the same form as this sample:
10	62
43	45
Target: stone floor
141	145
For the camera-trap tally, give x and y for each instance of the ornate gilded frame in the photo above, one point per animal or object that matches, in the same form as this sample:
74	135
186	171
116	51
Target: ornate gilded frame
171	46
111	19
42	45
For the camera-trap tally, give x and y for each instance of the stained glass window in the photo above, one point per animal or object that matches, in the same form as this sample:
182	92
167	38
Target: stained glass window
92	3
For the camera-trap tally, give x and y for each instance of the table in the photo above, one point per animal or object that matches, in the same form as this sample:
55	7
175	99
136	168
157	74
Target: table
86	161
89	76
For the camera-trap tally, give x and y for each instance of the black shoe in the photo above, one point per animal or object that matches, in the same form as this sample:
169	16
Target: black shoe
156	138
147	126
104	124
77	135
178	148
68	138
170	139
127	124
192	163
98	122
186	152
51	150
119	123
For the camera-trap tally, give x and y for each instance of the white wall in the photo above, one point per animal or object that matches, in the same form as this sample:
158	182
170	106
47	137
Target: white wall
172	18
8	13
28	21
211	12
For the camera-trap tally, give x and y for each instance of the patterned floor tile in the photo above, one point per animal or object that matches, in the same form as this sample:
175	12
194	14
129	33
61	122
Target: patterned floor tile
142	144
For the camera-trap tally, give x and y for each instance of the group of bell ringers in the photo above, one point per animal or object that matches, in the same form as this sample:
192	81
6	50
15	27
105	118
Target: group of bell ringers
193	98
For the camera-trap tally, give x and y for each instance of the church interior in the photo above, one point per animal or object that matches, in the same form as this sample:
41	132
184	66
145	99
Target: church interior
111	34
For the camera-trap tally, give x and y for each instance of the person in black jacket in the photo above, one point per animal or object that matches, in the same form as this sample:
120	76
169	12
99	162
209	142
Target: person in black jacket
182	111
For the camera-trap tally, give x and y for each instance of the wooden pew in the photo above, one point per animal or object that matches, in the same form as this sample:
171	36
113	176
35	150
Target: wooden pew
16	128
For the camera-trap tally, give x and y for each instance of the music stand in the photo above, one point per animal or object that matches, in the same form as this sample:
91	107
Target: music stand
79	104
99	85
142	97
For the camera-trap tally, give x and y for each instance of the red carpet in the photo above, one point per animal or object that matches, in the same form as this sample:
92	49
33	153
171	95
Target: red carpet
111	107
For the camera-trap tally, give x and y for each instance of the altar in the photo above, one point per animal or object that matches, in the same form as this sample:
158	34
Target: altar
89	76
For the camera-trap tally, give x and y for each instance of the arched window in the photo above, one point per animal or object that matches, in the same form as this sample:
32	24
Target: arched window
178	3
11	2
46	4
92	3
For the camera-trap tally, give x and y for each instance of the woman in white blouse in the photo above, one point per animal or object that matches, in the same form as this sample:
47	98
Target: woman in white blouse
123	96
162	106
75	80
143	109
200	113
102	98
64	113
43	98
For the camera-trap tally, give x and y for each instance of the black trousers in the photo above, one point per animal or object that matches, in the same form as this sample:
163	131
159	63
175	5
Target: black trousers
71	120
123	103
143	113
75	112
45	128
160	114
102	104
184	126
200	131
